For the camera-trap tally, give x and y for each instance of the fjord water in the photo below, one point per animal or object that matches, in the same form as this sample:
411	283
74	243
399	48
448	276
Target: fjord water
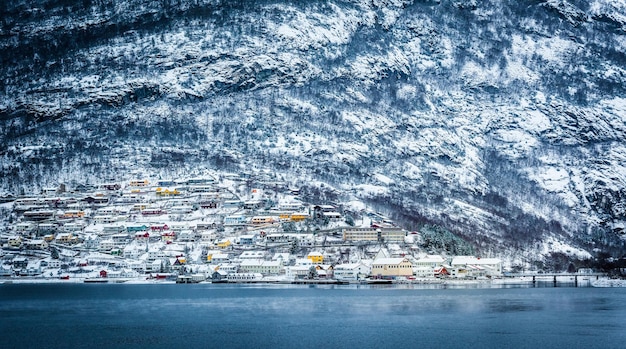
289	316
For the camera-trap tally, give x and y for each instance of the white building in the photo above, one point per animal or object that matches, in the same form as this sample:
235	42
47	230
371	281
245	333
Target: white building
208	237
24	227
425	267
283	257
298	271
181	209
235	220
107	245
247	239
261	266
138	266
244	277
303	240
37	244
475	267
218	258
155	254
252	255
187	236
133	252
351	272
73	226
291	205
178	227
53	263
113	228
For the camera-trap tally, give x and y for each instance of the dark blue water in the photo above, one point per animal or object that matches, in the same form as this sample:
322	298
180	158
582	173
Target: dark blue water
248	316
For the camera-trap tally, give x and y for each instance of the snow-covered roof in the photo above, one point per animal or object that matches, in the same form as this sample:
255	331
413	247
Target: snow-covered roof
389	261
431	259
251	263
349	266
281	255
463	260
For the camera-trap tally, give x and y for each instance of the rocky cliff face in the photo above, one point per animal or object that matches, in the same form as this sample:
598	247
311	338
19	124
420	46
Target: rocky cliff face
504	121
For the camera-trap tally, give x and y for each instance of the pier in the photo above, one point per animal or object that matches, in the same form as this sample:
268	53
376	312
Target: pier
547	277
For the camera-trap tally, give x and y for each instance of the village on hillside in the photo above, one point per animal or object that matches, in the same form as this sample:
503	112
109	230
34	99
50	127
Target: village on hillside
213	228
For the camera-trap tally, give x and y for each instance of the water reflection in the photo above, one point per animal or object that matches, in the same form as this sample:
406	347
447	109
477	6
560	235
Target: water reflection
300	316
512	306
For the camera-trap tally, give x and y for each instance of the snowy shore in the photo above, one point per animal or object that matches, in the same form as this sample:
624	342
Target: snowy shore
605	282
486	283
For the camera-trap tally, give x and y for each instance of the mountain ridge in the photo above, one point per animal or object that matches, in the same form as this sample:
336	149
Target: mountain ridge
503	121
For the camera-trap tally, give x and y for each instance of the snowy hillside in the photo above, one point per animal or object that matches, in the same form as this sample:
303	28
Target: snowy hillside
503	121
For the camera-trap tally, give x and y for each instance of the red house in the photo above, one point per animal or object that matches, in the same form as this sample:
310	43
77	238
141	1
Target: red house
441	272
159	227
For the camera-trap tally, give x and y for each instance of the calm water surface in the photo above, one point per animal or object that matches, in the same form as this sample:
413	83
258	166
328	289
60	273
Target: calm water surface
268	316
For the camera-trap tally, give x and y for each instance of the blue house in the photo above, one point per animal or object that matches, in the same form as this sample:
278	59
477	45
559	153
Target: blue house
136	228
248	240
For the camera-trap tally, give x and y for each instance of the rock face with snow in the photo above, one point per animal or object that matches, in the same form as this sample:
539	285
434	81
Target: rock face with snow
504	121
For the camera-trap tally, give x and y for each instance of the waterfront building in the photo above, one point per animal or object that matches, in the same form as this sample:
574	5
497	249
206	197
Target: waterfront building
261	266
244	277
298	271
391	267
428	266
351	271
475	267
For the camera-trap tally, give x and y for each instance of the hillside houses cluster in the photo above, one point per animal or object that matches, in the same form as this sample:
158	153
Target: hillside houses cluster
210	228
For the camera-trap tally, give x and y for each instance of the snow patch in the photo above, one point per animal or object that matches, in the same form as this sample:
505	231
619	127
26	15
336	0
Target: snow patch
551	245
383	179
535	121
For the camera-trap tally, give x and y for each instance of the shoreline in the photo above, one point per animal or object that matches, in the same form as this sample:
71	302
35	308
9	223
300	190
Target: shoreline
483	283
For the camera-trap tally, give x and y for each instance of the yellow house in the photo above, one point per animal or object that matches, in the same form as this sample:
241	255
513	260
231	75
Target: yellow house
262	220
140	207
223	243
66	238
299	217
316	257
392	267
168	237
74	214
166	192
15	241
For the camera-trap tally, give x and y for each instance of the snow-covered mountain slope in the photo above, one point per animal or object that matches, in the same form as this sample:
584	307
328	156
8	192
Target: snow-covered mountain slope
504	121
